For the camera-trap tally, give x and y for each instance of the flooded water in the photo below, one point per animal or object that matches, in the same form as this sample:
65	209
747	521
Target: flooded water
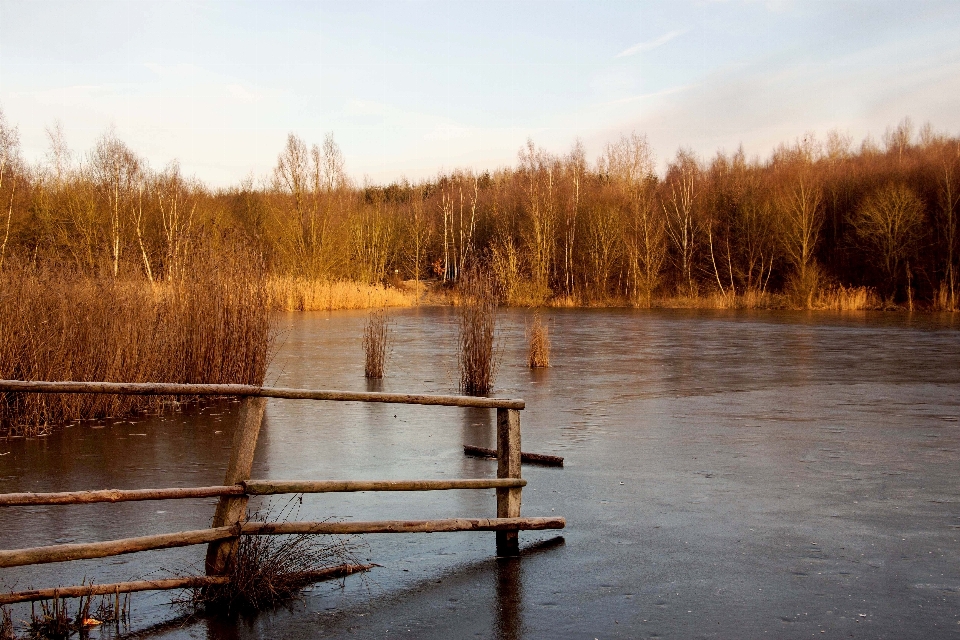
728	475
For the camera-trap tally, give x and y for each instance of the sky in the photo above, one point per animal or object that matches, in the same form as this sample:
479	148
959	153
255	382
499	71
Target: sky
412	88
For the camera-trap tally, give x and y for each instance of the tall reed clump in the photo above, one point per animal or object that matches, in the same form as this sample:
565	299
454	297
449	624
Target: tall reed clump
212	325
375	343
477	315
539	355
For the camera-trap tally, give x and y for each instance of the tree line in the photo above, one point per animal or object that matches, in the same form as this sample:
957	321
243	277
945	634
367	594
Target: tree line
817	214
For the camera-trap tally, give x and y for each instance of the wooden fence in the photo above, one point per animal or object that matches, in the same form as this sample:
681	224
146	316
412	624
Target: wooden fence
229	518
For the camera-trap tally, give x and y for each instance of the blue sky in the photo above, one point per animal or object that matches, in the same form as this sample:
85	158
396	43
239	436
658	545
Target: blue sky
411	88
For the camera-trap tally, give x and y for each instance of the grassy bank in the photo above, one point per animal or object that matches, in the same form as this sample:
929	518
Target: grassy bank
211	327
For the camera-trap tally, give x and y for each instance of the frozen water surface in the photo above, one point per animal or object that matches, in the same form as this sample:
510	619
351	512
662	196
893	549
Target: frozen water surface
728	475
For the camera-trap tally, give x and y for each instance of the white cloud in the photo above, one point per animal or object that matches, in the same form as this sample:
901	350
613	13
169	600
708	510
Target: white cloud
652	44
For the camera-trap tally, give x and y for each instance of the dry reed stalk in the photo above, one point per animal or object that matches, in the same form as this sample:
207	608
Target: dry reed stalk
539	355
288	293
375	343
211	326
477	315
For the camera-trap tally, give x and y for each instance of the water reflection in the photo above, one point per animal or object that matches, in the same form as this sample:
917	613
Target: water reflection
509	598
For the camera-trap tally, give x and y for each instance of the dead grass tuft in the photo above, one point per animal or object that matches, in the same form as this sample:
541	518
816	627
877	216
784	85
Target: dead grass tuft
6	625
270	571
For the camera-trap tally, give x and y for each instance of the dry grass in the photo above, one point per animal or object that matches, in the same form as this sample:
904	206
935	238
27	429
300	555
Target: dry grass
298	294
477	315
375	343
212	327
846	299
749	299
539	355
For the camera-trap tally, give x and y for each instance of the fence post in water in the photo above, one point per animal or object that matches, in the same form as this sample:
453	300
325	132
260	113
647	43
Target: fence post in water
232	509
508	466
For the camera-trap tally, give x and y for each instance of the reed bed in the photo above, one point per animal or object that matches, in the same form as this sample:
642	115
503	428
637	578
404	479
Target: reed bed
846	299
288	293
539	353
375	334
210	327
477	319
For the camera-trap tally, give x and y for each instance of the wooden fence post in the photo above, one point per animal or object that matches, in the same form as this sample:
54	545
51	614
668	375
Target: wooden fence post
508	466
232	509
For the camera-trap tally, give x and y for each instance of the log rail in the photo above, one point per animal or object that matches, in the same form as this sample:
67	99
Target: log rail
228	522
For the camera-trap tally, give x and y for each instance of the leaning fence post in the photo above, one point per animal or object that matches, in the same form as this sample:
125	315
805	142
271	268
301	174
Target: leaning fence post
231	509
508	466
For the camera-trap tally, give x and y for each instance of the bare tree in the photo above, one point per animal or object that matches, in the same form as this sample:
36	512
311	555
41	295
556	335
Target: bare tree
629	165
178	208
9	161
576	166
682	191
116	170
889	221
539	173
948	195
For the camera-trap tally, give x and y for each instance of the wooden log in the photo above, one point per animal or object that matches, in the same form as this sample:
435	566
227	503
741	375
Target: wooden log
173	389
192	582
508	466
117	495
271	487
233	509
402	526
531	458
86	551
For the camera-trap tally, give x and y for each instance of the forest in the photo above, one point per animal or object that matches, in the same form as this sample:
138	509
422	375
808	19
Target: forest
819	223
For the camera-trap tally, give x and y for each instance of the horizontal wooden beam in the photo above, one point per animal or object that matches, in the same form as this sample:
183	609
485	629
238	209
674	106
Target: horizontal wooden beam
88	550
172	389
193	582
532	458
270	487
116	495
403	526
252	487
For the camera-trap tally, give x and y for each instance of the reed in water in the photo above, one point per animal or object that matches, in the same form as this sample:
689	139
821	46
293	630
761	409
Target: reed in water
539	354
375	334
477	316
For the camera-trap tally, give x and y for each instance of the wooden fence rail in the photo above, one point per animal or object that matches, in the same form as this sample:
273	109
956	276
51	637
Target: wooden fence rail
253	488
246	391
229	519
